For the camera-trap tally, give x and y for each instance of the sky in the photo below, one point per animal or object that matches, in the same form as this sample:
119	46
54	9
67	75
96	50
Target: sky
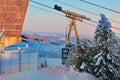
38	20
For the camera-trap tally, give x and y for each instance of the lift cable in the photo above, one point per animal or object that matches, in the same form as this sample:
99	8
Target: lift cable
41	4
62	15
83	10
46	10
54	9
95	26
90	24
97	23
101	6
112	26
55	13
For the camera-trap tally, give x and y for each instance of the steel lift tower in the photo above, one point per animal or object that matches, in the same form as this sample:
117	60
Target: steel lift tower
73	17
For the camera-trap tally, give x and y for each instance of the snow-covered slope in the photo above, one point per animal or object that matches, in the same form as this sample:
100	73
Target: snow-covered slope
44	49
52	37
58	73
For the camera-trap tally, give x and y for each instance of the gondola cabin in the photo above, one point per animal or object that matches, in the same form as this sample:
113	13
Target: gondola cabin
65	52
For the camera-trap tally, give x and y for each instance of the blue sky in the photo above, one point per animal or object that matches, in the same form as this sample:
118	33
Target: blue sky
41	21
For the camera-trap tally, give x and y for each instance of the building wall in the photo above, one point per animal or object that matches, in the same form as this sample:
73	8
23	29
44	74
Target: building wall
10	41
12	15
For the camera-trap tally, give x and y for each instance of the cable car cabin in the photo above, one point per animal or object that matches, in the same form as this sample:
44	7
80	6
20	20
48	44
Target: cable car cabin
65	52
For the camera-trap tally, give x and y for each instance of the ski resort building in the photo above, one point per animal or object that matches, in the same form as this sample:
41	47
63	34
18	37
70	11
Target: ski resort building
12	16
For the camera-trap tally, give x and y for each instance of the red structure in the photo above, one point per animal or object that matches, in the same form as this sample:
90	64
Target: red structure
12	16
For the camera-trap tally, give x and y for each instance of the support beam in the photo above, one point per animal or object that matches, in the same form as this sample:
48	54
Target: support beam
72	26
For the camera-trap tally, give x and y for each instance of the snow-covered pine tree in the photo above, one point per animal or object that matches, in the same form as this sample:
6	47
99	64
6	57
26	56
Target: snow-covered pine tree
85	60
119	44
81	56
106	49
43	64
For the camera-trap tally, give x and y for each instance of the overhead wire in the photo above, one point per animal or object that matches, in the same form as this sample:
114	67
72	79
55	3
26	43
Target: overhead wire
90	24
41	4
112	26
95	26
51	11
88	12
57	13
60	14
46	10
72	6
101	6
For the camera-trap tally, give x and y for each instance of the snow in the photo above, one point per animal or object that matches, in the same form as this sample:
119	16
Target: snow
98	60
58	73
83	66
106	45
109	57
51	62
98	55
10	62
44	49
50	52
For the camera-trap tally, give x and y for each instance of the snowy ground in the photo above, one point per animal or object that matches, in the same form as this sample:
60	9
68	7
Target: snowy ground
51	62
49	52
58	73
10	62
52	54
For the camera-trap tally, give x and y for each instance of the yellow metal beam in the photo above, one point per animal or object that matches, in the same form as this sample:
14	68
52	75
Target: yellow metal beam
72	26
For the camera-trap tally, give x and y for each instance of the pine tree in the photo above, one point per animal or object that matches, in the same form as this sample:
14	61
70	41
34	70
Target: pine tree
103	58
106	49
45	63
42	65
85	60
80	56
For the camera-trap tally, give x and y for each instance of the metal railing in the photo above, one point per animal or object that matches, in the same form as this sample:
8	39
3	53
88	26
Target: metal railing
13	61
